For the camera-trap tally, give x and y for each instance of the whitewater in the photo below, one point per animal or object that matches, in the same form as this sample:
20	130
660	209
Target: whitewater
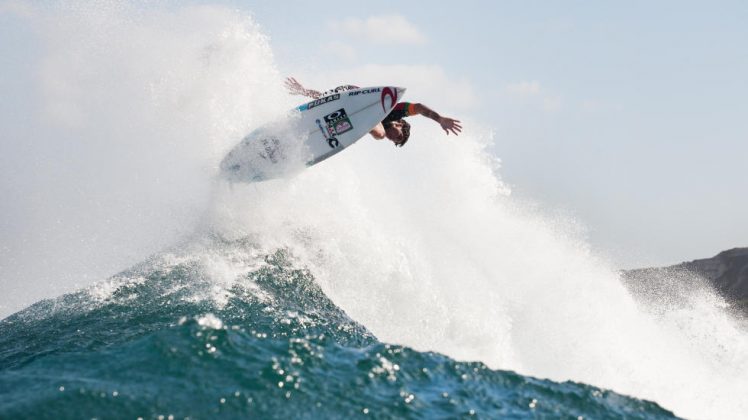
127	111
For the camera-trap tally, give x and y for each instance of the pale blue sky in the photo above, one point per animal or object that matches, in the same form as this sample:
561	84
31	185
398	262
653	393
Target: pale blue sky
629	116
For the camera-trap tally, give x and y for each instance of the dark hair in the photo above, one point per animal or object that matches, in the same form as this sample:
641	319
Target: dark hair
406	133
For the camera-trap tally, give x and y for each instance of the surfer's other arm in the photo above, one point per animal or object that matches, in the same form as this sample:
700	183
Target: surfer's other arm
448	124
378	132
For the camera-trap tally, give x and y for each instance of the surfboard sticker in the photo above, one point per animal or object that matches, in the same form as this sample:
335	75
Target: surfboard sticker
328	135
338	122
393	97
365	91
271	150
322	101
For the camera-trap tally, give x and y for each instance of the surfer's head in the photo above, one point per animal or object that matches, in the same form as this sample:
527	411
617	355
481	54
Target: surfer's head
398	132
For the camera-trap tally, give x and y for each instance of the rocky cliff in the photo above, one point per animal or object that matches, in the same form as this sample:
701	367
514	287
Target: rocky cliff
727	273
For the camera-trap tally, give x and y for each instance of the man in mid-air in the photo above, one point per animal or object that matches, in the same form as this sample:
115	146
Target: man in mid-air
393	127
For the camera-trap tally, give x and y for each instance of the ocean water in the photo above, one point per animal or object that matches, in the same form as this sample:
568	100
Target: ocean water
382	282
148	343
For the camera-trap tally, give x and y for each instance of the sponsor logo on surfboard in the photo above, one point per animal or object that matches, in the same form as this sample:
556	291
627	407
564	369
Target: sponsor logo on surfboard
328	135
322	101
338	122
392	93
272	150
364	91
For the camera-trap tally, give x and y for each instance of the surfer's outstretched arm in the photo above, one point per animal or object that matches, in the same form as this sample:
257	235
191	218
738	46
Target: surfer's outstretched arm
295	88
448	124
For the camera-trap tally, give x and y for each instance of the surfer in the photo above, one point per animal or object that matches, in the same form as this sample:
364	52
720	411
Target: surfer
393	127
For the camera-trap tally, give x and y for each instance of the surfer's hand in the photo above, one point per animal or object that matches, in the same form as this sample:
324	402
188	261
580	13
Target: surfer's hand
449	124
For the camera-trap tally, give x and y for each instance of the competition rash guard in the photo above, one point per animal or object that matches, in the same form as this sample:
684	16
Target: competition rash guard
400	111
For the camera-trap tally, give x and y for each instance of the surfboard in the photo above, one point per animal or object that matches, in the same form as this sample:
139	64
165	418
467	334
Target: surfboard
309	134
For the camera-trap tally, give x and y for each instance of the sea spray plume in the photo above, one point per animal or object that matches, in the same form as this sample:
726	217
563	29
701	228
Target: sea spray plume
427	250
125	111
224	328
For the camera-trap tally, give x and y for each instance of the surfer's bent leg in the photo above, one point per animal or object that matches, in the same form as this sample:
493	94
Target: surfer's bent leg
345	87
338	89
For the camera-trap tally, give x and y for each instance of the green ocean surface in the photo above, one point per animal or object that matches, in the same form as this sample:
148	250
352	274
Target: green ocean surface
162	341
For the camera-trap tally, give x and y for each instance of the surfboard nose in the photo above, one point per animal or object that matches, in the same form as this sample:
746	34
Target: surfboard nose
400	91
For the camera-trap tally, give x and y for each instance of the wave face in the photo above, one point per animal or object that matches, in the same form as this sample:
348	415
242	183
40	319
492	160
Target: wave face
160	340
423	247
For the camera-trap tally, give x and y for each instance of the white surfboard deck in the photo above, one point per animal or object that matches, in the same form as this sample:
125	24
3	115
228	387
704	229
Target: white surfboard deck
309	134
